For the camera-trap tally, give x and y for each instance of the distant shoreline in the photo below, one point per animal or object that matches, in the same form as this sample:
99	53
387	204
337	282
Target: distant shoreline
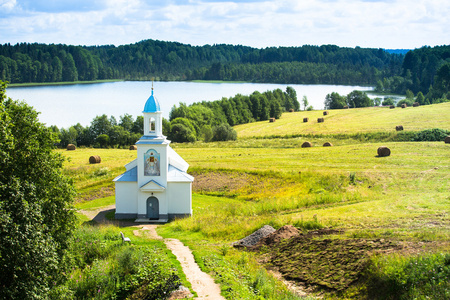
28	84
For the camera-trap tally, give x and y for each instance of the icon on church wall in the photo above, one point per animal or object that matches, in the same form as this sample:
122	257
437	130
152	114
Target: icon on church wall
151	163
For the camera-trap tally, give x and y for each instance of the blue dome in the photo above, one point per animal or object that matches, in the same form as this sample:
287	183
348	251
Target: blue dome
152	105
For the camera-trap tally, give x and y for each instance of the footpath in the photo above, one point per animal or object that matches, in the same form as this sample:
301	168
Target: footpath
202	283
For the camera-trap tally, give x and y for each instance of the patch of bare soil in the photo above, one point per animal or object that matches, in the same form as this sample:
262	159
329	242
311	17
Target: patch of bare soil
330	263
220	181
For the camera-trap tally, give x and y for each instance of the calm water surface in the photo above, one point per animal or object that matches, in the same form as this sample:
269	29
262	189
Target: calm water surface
67	105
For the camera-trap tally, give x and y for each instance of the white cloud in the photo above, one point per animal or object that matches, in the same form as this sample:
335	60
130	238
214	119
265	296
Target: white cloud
366	23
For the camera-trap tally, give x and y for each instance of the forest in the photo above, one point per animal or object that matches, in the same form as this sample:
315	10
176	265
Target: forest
425	70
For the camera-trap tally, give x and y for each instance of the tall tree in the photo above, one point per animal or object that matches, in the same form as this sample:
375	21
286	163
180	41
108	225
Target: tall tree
36	221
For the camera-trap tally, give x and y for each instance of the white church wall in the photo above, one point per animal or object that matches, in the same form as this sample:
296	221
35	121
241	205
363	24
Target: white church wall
180	202
126	199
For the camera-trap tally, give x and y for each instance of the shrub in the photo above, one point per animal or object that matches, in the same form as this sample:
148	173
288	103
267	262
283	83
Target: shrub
408	102
431	135
224	132
417	277
387	102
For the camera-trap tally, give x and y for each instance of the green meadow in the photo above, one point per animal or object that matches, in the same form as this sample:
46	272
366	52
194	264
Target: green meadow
266	177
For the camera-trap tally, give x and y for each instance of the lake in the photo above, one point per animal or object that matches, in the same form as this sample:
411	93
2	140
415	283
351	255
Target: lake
67	105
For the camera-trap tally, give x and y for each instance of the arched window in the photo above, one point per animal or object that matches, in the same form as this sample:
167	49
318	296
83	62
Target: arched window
152	124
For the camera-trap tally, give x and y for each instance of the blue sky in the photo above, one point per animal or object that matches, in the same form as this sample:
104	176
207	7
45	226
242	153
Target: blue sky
397	24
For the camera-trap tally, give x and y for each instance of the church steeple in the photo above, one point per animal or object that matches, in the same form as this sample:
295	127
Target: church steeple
152	117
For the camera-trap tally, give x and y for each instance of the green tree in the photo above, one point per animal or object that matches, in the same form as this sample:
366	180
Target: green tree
36	219
421	98
334	101
102	140
305	102
359	99
292	94
182	130
387	102
224	132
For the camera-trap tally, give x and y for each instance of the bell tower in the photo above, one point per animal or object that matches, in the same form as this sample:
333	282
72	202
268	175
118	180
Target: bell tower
152	118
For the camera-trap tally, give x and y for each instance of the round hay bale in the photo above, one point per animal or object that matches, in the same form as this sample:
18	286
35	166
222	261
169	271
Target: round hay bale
291	110
327	144
306	145
404	105
271	120
399	128
71	147
416	104
325	113
391	106
95	159
133	147
305	120
383	151
320	120
447	139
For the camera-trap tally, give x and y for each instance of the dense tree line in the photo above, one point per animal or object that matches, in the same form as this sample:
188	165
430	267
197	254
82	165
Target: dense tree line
206	121
175	61
103	132
425	70
212	121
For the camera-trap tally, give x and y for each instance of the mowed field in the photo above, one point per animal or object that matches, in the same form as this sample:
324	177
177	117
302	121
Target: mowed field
351	121
414	179
266	177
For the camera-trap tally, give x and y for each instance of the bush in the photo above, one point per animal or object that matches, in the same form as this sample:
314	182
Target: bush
387	102
224	132
431	135
408	102
418	277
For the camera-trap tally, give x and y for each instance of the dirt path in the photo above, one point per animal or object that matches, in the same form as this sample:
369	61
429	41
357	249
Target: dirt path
202	283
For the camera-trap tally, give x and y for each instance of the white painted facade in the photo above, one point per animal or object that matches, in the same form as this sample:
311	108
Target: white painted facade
155	186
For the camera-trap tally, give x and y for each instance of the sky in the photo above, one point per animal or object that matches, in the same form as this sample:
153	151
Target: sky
396	24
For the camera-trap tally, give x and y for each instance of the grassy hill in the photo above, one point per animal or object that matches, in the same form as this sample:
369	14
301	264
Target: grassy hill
400	203
352	121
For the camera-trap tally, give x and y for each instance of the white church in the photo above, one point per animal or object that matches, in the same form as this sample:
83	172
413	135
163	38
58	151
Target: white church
155	186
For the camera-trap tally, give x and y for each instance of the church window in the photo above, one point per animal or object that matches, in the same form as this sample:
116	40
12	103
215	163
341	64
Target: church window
152	125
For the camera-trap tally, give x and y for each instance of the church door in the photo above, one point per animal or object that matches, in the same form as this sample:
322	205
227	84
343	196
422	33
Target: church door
153	208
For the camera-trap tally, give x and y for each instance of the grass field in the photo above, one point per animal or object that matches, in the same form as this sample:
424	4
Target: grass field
256	180
352	121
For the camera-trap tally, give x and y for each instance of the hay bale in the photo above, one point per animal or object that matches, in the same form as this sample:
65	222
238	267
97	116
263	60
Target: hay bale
271	120
71	147
133	147
320	120
291	110
305	120
416	104
325	113
399	128
447	140
404	105
95	159
306	145
327	144
391	106
346	107
383	151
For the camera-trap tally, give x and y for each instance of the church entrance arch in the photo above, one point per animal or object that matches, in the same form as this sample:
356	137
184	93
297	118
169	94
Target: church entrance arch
152	208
